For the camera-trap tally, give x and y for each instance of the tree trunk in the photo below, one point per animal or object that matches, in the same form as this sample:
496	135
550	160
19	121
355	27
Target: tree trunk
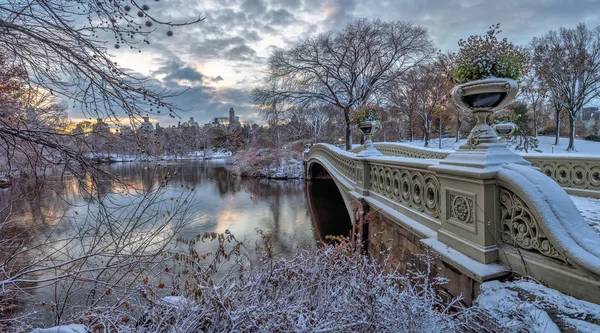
440	134
348	129
571	146
457	126
535	122
348	136
426	135
410	128
557	128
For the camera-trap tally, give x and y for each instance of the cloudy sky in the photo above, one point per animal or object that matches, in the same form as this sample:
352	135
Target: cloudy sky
222	58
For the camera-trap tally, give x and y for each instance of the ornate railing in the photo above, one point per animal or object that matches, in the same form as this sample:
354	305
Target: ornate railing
578	173
404	150
341	160
411	187
571	171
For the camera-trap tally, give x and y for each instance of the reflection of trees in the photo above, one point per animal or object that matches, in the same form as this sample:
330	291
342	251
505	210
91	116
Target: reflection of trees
277	194
33	201
225	181
265	188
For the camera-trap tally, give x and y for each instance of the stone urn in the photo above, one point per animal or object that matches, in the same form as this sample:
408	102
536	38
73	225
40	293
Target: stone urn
505	129
369	128
483	97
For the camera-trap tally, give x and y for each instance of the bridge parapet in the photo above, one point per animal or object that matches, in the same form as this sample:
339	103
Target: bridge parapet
577	174
483	221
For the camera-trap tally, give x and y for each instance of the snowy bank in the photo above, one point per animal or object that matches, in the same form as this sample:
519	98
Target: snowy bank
268	163
196	155
73	328
529	306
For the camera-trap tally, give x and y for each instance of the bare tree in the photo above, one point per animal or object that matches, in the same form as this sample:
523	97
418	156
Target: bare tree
431	84
316	117
534	93
344	69
402	102
568	62
58	49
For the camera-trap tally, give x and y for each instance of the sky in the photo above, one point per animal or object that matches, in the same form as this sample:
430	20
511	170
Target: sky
217	62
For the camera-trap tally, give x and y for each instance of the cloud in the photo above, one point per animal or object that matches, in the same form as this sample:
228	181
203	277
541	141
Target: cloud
222	58
229	48
281	17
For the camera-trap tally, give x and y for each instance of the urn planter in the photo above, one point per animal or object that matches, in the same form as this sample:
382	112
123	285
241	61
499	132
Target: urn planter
483	97
483	149
369	128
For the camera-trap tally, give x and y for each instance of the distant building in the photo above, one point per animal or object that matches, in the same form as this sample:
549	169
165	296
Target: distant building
83	127
100	126
590	113
189	123
146	125
226	121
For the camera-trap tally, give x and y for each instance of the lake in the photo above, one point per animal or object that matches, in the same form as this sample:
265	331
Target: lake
215	201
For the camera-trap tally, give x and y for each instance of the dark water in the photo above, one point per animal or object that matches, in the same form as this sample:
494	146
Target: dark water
295	212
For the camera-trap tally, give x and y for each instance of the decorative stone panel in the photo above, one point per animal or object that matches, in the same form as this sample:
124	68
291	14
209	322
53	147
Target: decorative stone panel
460	209
413	188
520	228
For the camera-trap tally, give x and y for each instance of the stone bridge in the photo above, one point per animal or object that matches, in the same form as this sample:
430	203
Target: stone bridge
485	217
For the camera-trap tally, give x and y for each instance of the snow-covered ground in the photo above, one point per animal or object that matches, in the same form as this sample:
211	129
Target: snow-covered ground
197	155
527	306
590	209
583	147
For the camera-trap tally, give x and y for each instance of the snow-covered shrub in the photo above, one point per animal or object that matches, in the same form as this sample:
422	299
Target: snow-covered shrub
325	288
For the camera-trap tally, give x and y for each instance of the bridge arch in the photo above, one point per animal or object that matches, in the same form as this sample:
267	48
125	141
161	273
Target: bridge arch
319	169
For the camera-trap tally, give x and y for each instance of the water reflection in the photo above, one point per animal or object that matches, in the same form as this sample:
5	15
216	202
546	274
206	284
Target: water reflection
221	201
57	206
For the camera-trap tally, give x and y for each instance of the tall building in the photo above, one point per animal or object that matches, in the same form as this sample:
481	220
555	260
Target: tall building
590	113
145	128
100	126
226	121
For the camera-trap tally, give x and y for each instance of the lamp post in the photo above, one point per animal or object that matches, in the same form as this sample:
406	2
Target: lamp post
552	149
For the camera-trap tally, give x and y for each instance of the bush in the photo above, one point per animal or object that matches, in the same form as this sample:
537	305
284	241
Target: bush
593	137
368	112
325	288
547	130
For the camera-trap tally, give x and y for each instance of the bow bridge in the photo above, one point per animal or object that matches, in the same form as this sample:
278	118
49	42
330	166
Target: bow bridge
486	214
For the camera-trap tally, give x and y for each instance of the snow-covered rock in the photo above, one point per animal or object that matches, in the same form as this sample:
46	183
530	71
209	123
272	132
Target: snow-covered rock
529	306
73	328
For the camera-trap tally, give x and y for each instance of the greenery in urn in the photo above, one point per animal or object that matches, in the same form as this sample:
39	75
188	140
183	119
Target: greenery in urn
369	112
482	57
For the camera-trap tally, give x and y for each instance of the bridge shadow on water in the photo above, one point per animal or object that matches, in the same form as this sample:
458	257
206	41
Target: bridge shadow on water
326	206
